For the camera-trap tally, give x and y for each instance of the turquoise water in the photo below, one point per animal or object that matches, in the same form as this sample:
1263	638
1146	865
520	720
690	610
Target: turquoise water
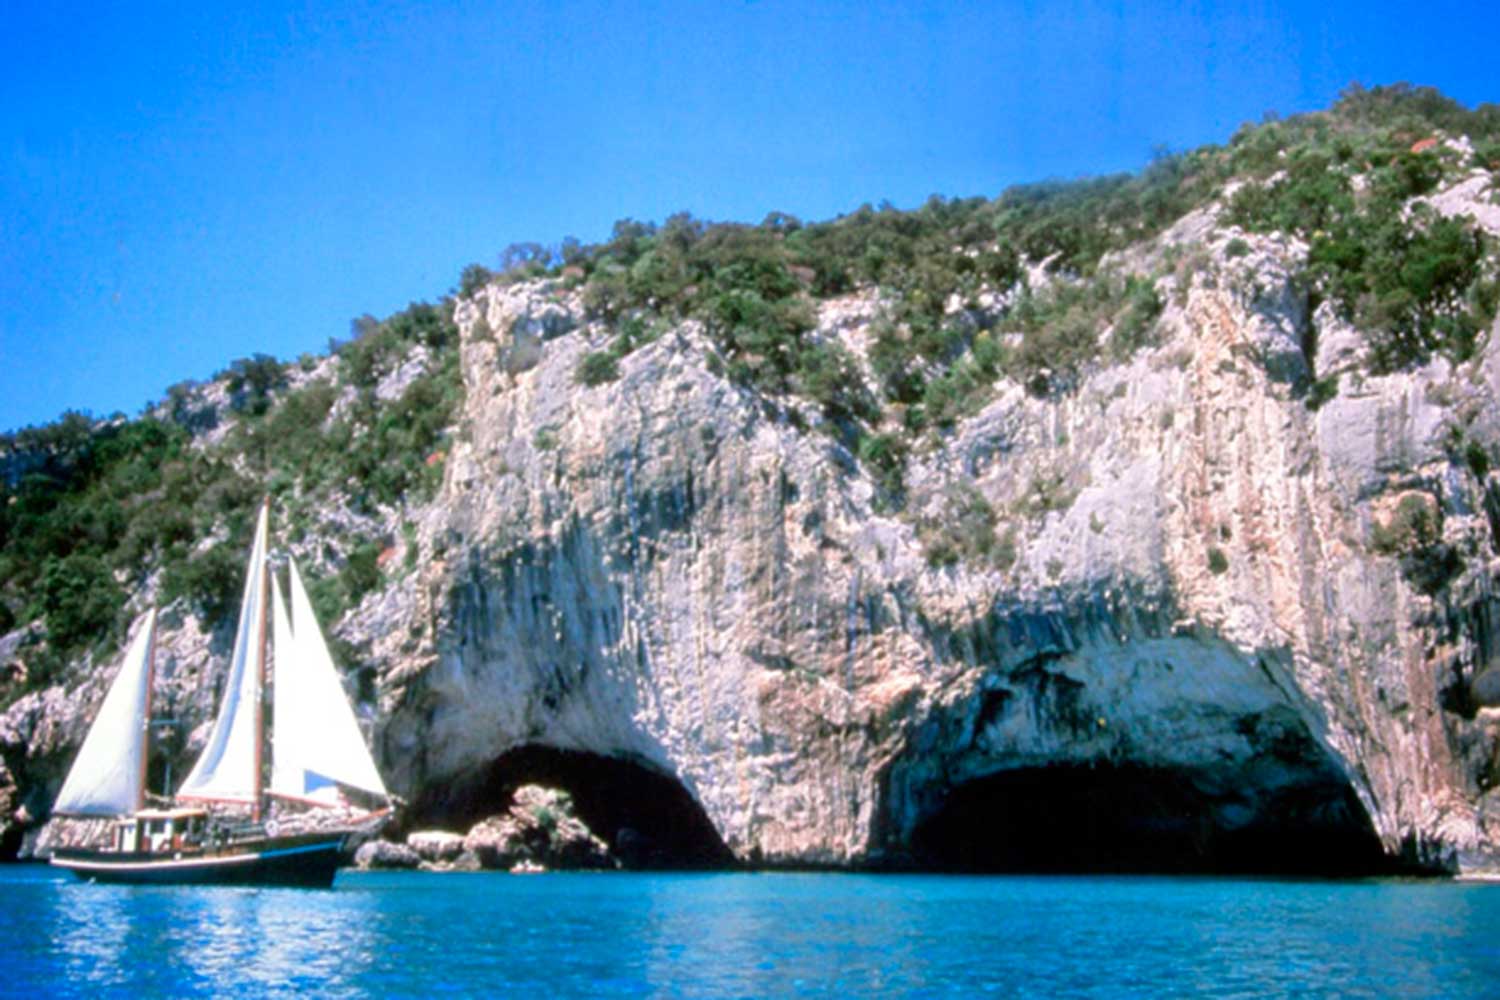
747	935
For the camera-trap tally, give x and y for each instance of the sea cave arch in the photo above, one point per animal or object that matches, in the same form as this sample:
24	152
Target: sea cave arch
1104	817
647	817
11	839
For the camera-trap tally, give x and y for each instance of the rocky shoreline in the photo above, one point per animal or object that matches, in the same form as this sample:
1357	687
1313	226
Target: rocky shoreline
539	832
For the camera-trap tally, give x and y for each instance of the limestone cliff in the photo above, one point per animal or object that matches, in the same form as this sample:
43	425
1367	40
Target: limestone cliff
1234	616
664	569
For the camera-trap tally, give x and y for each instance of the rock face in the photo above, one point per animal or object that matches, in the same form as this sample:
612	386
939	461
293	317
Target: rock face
1234	621
37	734
663	569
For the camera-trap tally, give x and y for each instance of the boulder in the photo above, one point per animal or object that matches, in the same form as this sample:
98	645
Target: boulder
540	828
493	841
436	845
1485	688
384	854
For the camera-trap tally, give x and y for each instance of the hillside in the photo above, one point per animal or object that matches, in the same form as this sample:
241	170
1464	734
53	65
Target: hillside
1153	511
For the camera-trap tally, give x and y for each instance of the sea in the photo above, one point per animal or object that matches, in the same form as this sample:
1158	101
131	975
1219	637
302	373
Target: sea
414	934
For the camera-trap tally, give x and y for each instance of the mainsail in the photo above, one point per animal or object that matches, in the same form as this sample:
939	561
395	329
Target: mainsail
318	744
285	776
108	778
226	770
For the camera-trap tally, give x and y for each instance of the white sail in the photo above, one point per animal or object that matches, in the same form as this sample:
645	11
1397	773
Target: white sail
106	779
318	742
286	773
225	771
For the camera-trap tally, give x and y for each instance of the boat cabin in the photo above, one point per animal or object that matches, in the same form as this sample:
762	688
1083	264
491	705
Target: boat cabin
160	830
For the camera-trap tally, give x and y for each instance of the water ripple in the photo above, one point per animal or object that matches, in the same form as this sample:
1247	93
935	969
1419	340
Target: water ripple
736	935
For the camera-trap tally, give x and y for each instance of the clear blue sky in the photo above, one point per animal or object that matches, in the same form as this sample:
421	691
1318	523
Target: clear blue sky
182	185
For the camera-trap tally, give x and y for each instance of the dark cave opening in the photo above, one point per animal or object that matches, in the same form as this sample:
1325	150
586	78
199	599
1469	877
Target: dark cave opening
1138	820
648	818
11	839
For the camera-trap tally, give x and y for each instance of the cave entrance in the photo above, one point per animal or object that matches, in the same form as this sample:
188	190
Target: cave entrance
11	839
1132	819
645	816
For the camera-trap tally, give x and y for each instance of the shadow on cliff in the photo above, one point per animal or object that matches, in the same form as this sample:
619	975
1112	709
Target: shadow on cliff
1133	819
647	818
11	838
1108	738
545	626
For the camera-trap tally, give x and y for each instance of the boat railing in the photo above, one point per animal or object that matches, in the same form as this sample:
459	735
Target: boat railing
221	833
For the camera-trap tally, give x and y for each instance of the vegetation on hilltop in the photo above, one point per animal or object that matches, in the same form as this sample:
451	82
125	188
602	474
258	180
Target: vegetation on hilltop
93	509
1341	179
971	291
1344	181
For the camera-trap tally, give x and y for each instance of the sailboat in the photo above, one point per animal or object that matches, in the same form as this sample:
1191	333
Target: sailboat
220	826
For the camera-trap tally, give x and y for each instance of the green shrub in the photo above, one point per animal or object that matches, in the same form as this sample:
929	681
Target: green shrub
598	367
828	375
1412	526
1414	536
1005	552
361	571
523	261
884	455
251	381
377	347
81	600
1487	154
379	452
474	278
1323	390
210	581
1421	290
1048	492
327	595
411	543
1311	194
965	532
94	504
1063	327
1477	457
1135	323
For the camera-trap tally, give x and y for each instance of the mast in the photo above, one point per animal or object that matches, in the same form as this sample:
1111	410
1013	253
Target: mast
140	795
260	685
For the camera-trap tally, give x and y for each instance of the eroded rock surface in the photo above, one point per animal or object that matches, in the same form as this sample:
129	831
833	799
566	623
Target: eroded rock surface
662	569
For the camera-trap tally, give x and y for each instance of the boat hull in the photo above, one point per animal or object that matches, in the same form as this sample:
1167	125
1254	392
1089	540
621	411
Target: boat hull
307	861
